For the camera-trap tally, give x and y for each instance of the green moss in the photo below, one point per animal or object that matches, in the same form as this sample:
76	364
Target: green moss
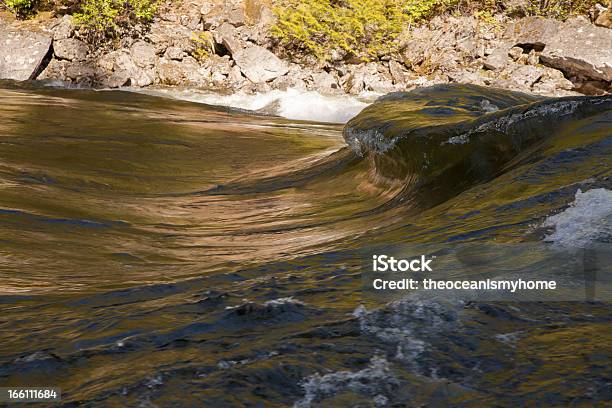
368	29
559	9
204	45
365	29
105	19
21	8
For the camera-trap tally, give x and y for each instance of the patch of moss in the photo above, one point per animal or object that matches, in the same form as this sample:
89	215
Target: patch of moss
365	29
104	19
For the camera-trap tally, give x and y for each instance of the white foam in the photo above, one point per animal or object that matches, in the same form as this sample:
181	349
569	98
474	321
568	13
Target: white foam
586	220
284	301
372	381
291	104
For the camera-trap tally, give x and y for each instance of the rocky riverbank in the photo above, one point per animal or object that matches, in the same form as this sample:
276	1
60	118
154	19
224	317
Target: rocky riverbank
227	46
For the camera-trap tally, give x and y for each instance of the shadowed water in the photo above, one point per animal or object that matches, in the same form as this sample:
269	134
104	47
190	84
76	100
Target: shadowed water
157	252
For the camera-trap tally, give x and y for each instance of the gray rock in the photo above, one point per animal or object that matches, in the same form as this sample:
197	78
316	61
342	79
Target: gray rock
398	73
375	80
498	59
143	54
353	81
174	53
22	53
526	75
581	49
259	65
237	17
81	73
227	35
533	58
163	35
187	72
553	83
465	77
64	29
213	16
324	82
118	69
532	32
220	64
235	75
470	47
604	19
70	49
515	53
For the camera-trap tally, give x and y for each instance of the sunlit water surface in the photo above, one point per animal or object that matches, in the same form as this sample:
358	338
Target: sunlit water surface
158	252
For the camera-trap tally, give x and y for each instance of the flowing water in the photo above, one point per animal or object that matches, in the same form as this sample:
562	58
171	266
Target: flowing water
162	252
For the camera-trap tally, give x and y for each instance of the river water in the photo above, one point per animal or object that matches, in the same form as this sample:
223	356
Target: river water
160	251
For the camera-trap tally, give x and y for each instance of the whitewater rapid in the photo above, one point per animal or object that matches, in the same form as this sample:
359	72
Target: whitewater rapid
293	104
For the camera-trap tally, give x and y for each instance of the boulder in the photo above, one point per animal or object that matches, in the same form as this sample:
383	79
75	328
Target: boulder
398	72
174	53
580	49
532	32
515	53
143	54
237	17
180	73
118	68
227	36
259	65
81	73
552	82
498	59
324	82
293	79
461	76
376	78
22	53
604	19
353	81
64	29
526	75
70	49
213	14
191	21
163	35
235	76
